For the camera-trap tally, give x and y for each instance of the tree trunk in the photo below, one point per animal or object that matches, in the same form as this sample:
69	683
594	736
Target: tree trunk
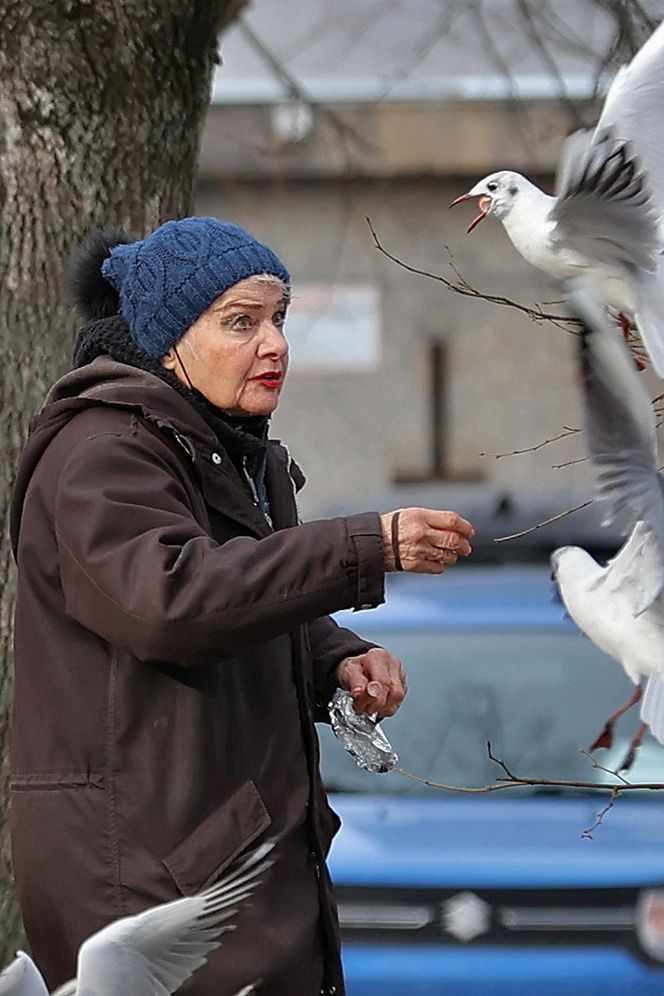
101	105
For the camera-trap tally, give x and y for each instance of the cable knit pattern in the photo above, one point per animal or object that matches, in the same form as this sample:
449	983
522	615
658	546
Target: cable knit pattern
169	279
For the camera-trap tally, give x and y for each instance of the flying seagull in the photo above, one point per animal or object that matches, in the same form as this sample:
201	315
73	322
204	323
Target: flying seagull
154	952
620	606
605	222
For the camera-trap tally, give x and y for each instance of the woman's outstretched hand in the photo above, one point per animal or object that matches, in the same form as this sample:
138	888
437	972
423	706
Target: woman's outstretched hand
424	540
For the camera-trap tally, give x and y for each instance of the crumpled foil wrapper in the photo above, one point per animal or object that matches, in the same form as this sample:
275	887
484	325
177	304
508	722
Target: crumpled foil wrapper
360	734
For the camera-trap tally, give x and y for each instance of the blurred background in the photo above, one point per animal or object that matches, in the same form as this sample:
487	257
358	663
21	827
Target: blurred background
333	113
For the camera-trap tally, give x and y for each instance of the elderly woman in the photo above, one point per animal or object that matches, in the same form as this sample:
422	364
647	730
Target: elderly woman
173	645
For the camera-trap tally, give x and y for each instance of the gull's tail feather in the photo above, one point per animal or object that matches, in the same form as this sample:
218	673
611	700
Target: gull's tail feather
649	314
249	990
652	705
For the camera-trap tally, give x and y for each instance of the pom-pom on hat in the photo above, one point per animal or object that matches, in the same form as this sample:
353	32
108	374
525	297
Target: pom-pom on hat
167	280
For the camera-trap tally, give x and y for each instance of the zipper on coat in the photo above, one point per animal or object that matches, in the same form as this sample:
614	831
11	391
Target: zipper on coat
261	505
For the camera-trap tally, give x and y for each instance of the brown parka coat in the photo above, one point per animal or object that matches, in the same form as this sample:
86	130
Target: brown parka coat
172	654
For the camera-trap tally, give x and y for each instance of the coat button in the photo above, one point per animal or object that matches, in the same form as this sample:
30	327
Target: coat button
216	458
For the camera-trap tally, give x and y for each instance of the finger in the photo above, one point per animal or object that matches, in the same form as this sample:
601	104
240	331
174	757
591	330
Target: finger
449	521
446	540
365	704
371	705
382	669
354	676
396	694
379	690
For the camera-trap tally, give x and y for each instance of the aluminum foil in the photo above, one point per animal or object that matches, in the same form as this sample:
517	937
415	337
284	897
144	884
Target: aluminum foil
361	735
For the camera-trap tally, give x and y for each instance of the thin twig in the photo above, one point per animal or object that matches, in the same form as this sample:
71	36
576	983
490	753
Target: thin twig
601	767
545	522
538	446
599	819
569	463
296	91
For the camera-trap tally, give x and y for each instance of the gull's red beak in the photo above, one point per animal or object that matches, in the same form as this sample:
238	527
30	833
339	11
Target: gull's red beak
484	204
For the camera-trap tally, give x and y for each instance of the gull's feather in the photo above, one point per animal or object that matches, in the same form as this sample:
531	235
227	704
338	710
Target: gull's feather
652	705
153	953
22	978
618	422
633	108
68	989
649	314
636	573
604	209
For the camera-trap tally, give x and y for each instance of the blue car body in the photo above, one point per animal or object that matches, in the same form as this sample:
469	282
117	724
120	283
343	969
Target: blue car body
523	891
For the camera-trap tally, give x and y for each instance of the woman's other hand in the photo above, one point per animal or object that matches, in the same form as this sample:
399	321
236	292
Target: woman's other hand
376	681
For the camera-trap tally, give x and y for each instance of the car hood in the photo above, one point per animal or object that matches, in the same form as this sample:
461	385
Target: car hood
493	843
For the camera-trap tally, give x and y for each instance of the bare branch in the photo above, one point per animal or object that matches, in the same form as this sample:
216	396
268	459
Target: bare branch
545	522
529	21
511	783
510	780
296	91
536	314
538	446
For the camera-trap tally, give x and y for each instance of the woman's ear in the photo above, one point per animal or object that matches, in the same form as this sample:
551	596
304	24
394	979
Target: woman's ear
169	360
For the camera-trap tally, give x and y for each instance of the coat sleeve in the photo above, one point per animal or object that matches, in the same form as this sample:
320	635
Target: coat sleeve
330	644
139	570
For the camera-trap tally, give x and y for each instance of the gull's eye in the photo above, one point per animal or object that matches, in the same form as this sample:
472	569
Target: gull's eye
492	186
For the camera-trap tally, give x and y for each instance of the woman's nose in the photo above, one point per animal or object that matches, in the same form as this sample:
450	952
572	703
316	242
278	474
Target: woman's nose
273	342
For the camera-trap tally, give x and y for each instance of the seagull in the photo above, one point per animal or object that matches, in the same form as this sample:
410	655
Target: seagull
606	222
620	606
154	952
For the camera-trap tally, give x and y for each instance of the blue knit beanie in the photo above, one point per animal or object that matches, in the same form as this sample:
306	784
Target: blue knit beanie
167	280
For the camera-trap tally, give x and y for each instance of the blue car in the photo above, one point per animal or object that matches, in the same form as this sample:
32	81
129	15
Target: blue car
526	891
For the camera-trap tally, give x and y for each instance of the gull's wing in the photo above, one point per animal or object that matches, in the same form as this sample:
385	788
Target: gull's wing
652	705
22	978
153	953
619	424
633	109
604	208
636	573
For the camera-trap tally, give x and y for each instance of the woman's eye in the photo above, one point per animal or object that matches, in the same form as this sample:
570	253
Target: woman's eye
279	319
242	323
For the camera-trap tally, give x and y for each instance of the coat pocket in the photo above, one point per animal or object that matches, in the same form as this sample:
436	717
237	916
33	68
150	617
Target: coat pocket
201	857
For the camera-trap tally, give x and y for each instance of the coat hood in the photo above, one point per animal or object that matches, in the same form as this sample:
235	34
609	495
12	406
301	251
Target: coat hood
107	382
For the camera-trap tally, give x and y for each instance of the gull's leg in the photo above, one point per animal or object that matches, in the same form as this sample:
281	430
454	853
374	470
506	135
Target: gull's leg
605	739
633	747
626	327
625	324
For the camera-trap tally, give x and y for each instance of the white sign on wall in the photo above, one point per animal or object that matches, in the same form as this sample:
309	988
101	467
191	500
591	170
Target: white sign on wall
334	327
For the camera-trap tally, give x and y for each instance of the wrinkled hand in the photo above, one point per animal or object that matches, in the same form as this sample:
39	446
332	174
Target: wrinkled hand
376	681
428	540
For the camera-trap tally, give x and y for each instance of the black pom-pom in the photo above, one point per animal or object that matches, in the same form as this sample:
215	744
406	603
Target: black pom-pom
92	294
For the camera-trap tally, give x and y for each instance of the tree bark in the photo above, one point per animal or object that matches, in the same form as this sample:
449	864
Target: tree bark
101	106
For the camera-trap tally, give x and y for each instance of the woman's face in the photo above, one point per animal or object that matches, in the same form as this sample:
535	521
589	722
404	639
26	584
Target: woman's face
235	353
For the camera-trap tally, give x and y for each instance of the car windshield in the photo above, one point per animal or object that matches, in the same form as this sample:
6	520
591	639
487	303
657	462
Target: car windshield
537	696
